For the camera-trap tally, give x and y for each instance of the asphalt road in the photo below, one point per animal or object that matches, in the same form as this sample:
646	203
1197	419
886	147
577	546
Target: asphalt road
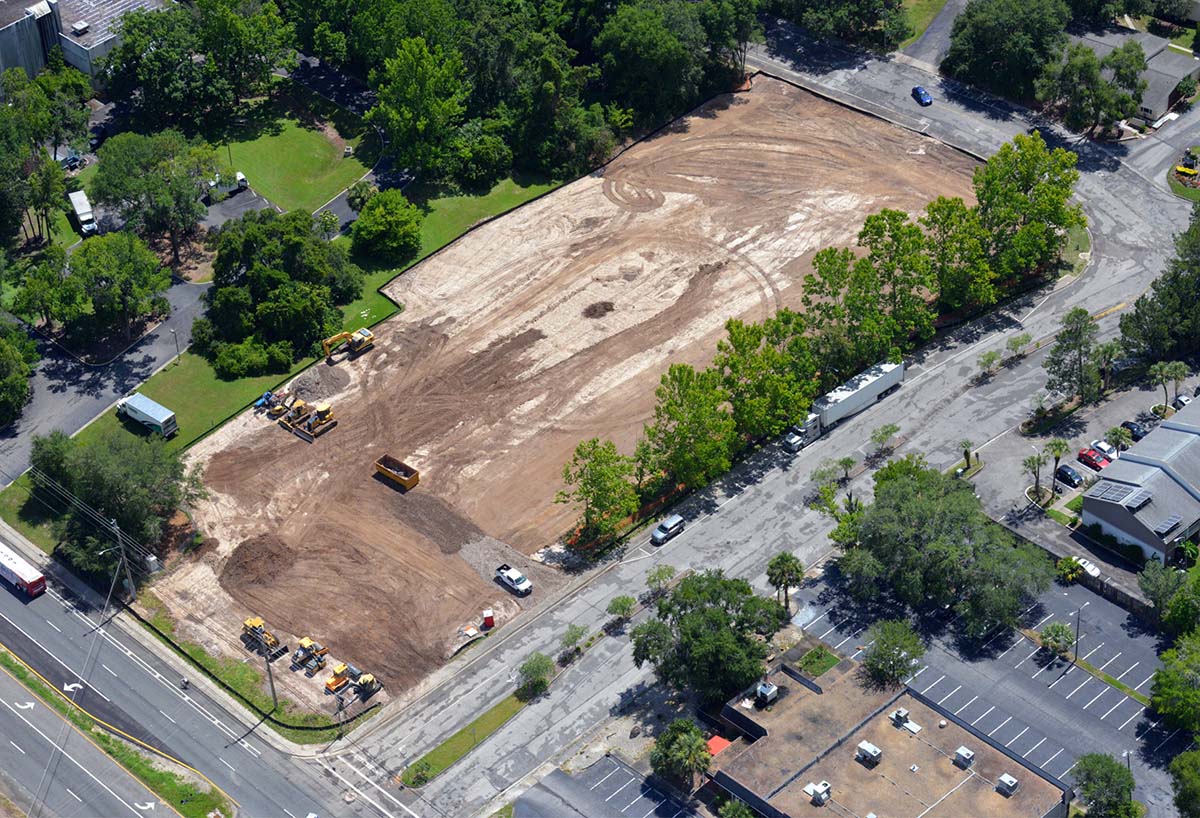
933	44
49	768
759	510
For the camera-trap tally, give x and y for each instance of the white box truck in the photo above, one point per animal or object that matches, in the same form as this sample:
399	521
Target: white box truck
848	399
153	415
83	211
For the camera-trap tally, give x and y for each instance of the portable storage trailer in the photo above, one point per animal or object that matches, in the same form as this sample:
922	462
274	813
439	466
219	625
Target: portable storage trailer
153	415
850	398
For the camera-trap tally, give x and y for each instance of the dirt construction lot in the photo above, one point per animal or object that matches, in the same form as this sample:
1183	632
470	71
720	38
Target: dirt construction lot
548	326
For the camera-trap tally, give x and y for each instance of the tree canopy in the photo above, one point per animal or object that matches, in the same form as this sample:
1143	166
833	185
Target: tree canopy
1163	324
1005	45
1175	691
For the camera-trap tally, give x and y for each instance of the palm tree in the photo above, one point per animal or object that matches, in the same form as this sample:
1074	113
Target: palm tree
691	756
783	571
1033	467
1177	371
1118	437
359	193
1056	448
1160	376
966	445
1104	355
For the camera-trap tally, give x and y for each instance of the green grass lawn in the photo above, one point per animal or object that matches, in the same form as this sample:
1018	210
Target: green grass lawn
1180	36
817	661
920	14
1078	241
1181	190
462	742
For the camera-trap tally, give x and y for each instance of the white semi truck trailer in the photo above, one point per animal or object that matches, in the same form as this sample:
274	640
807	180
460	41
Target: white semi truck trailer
848	399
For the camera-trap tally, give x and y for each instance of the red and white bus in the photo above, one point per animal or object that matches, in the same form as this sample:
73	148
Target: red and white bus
20	573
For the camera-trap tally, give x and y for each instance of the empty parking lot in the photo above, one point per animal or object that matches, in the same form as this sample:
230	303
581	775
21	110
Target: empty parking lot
607	789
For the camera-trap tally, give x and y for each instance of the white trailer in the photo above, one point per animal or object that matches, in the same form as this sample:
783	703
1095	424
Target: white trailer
850	398
83	211
148	413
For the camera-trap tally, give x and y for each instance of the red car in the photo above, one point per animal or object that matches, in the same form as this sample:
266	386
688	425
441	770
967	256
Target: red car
1093	459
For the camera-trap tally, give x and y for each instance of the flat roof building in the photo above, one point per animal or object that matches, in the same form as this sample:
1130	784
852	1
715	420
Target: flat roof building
1150	495
85	30
847	750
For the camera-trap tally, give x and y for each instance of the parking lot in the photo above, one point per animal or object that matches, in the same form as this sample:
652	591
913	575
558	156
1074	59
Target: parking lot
1043	708
607	789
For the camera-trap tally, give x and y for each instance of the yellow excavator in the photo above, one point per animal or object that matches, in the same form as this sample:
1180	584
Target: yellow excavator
358	341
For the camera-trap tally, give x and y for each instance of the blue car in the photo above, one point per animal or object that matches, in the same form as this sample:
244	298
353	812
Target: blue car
922	96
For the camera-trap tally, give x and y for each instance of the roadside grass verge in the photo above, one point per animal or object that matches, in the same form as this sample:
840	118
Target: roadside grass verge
1192	194
920	14
1075	504
817	661
458	745
184	796
1061	518
1079	242
967	472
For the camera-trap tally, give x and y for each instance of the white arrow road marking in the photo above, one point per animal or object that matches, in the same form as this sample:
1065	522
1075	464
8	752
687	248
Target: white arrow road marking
25	705
72	687
149	805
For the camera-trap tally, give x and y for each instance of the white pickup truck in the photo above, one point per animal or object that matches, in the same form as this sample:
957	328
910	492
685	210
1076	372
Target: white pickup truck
514	579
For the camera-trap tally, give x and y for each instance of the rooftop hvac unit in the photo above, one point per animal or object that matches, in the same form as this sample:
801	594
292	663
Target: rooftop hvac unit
900	716
766	692
1007	785
868	753
80	27
818	792
964	757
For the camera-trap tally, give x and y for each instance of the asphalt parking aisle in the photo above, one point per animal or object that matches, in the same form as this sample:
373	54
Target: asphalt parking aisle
622	790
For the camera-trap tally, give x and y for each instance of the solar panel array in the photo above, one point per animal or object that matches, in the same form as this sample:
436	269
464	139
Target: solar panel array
1138	499
1167	524
1112	492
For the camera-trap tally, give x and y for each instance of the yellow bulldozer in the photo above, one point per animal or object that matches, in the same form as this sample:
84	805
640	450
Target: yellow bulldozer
256	637
358	341
316	423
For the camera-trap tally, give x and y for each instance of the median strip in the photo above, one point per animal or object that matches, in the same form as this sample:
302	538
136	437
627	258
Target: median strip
464	741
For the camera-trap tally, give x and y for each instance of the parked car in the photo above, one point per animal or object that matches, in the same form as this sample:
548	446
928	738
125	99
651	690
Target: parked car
1105	448
1088	566
1093	459
922	96
1136	430
667	529
1068	476
1181	401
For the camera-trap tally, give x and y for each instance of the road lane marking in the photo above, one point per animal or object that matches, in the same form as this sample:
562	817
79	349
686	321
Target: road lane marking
965	706
939	678
289	812
227	764
1034	747
951	693
1051	758
17	746
366	778
1139	712
109	669
989	710
998	726
1014	738
1131	667
364	796
56	627
73	795
168	718
1110	661
618	789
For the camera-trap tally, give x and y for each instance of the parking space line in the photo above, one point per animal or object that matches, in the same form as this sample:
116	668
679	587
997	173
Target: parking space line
1139	712
1039	625
989	710
1034	747
1093	650
1070	670
636	798
965	706
913	678
1001	724
1010	647
618	789
602	780
951	693
1053	661
1131	667
831	630
1031	653
1164	741
1051	758
1014	738
1110	661
1064	772
1143	681
864	647
1098	695
838	646
652	809
818	619
1081	684
939	678
1114	707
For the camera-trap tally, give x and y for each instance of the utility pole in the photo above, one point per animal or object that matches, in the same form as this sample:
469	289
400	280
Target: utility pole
129	586
266	654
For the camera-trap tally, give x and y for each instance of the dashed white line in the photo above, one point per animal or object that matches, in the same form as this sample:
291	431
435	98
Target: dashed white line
17	747
289	812
73	795
939	678
227	764
951	693
985	712
1001	724
965	706
109	669
168	718
56	627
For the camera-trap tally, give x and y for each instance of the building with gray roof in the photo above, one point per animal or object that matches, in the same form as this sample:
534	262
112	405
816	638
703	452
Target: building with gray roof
1165	67
1150	496
85	30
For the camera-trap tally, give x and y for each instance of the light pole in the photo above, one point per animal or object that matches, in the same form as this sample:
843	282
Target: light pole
1129	766
175	335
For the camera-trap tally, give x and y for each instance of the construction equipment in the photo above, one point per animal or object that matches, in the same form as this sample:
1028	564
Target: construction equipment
313	425
256	636
314	665
295	412
307	649
366	686
358	341
339	679
281	404
396	470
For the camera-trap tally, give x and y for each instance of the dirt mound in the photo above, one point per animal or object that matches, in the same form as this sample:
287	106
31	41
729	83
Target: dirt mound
258	560
319	382
598	309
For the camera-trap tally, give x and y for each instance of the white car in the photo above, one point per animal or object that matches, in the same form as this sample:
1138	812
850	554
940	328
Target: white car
1088	566
1106	449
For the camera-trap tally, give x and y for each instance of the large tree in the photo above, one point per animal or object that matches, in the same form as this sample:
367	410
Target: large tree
956	244
1105	785
422	95
708	636
18	355
1160	584
693	432
1164	323
1091	91
246	40
1069	366
784	571
894	651
882	24
121	277
1175	691
1024	192
768	371
389	226
680	752
844	306
1004	44
896	252
598	481
1185	775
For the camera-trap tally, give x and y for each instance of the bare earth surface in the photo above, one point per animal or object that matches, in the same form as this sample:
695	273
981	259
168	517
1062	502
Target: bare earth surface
545	327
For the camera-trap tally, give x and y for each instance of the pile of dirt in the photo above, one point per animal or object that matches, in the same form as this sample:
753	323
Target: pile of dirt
258	560
319	382
598	309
